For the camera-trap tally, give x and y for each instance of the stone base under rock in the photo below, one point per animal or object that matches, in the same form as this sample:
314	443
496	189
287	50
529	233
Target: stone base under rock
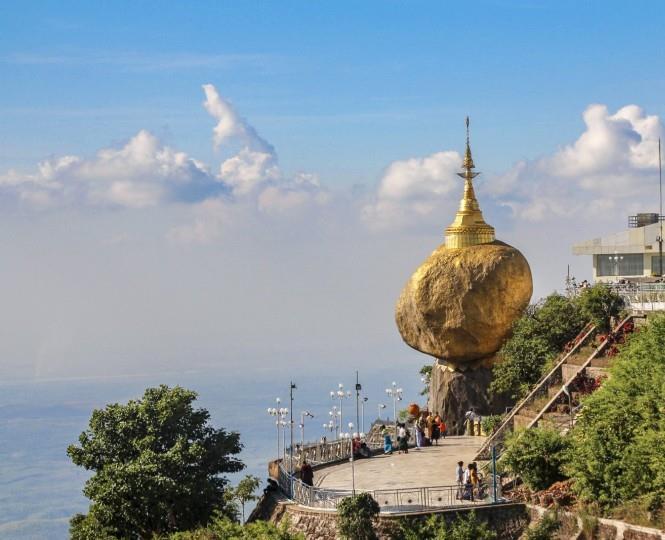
454	392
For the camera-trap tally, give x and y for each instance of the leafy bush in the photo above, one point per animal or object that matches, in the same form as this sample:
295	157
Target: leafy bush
223	528
355	517
616	455
536	455
465	527
599	304
537	338
491	422
545	529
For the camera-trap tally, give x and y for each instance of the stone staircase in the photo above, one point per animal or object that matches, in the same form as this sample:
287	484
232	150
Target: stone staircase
597	363
547	404
528	409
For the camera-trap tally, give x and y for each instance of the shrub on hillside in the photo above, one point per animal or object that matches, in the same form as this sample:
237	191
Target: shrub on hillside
545	529
616	455
355	517
537	455
223	528
465	527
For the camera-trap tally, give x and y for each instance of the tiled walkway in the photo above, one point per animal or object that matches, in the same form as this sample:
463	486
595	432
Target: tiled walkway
431	466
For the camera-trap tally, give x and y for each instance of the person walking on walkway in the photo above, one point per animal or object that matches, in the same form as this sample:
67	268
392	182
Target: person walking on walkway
307	474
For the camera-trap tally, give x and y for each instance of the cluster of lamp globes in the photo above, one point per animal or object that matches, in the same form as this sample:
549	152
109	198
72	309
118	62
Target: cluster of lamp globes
280	412
336	419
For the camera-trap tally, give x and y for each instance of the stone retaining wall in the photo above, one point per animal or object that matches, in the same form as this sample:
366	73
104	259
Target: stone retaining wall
607	529
509	520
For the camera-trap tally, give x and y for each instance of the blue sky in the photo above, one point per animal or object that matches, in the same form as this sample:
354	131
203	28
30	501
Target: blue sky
342	87
213	183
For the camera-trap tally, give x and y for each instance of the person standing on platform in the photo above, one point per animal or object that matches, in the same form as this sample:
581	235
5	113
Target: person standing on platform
387	441
307	474
403	439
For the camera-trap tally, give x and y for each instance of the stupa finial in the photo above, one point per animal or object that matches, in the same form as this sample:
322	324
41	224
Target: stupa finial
469	227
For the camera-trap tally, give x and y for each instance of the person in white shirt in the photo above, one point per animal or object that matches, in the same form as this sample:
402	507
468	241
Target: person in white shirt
459	476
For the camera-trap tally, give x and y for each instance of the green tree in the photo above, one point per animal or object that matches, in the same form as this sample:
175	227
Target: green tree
536	455
560	319
616	455
537	338
599	304
244	492
355	517
157	466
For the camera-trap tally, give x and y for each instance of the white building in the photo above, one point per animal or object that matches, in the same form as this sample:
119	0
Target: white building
631	255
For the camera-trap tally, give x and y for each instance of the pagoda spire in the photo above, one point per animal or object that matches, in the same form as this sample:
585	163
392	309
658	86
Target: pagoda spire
469	227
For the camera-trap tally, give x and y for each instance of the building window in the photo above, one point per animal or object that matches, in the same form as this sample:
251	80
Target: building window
655	266
628	264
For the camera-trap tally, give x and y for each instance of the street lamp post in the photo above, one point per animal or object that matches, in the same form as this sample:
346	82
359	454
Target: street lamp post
292	387
352	436
277	412
358	389
396	394
341	395
335	420
362	413
381	407
303	415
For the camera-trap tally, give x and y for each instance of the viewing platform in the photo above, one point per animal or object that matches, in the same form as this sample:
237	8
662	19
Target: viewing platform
429	466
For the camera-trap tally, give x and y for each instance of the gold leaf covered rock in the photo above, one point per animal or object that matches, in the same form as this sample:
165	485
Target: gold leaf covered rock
460	304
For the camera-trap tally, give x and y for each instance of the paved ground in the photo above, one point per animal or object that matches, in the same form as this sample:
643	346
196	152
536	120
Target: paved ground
431	466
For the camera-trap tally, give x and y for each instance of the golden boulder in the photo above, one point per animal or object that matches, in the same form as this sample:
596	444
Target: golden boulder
460	304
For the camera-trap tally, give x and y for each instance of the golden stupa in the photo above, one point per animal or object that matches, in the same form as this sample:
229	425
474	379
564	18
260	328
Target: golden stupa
460	304
469	227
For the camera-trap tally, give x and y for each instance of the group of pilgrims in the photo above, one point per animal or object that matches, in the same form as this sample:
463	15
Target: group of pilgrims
429	428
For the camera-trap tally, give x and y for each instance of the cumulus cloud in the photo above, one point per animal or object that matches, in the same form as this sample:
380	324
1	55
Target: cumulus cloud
140	174
414	191
611	165
145	173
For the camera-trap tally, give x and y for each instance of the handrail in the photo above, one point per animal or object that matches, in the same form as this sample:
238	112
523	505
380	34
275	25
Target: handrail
588	361
579	340
409	499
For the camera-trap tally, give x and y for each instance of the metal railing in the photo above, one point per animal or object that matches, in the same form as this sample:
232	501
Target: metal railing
393	500
597	351
541	388
321	453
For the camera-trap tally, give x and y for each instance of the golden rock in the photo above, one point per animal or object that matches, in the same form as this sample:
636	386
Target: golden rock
460	304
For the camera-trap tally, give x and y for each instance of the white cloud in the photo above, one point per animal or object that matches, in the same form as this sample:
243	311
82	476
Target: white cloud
146	173
139	174
249	169
414	190
612	165
230	125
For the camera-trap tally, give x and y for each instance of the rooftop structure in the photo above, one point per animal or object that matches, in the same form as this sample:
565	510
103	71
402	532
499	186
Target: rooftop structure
634	254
